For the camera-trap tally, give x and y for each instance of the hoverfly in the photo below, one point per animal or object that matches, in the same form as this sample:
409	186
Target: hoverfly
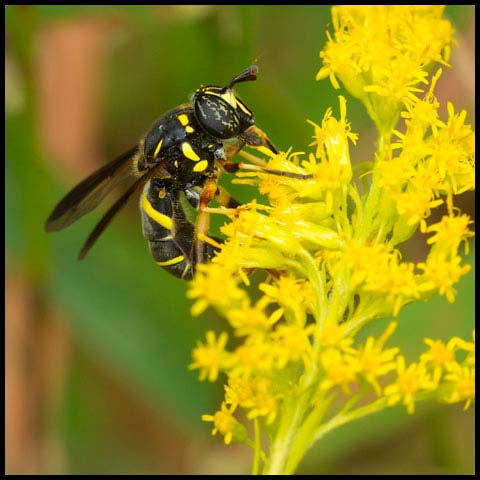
184	152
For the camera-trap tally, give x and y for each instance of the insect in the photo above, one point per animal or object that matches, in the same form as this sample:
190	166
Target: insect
183	153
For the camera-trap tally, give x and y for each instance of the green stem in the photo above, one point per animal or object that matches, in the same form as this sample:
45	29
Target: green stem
303	439
315	277
281	446
256	451
342	419
293	415
357	218
363	316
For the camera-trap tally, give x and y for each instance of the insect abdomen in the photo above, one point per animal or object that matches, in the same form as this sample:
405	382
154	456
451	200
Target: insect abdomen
169	233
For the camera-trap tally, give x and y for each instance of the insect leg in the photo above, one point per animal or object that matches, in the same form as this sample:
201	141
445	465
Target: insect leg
254	137
225	199
202	223
233	167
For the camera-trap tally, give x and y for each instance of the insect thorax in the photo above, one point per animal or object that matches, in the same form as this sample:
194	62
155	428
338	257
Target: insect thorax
188	151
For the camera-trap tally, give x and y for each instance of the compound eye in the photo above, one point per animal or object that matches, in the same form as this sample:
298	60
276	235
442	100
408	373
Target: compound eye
216	115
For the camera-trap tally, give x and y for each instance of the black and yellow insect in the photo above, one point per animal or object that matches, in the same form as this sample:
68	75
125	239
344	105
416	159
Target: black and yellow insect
183	153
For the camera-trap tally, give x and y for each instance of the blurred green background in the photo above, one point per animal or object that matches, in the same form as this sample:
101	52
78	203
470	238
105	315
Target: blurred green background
96	351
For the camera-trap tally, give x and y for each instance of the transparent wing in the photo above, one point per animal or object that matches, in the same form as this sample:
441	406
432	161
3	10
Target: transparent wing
90	192
157	170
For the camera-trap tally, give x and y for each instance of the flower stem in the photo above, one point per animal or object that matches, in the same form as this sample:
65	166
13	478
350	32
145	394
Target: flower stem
256	452
342	419
281	445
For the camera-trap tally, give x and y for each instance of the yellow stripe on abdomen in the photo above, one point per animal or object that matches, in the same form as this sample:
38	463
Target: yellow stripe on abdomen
172	261
163	220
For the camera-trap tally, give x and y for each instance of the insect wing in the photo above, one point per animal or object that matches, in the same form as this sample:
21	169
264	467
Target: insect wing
118	205
90	192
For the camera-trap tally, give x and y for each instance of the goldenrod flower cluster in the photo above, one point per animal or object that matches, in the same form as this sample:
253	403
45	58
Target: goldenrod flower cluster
329	247
382	54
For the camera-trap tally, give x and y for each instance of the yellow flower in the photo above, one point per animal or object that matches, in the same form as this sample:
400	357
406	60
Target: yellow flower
254	355
439	356
381	53
252	226
292	295
414	206
326	238
451	231
280	188
340	370
239	391
334	336
462	380
293	343
454	153
362	260
393	174
373	361
468	347
410	381
225	423
248	319
214	286
421	114
442	274
263	403
398	282
211	357
331	140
